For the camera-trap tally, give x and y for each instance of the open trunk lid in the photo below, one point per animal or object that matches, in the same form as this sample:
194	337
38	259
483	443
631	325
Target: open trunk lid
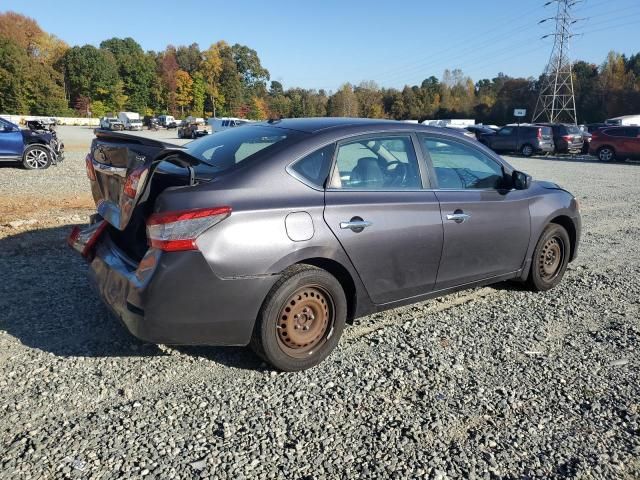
120	165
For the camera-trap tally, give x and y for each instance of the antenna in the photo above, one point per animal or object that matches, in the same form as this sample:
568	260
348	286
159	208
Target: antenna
556	102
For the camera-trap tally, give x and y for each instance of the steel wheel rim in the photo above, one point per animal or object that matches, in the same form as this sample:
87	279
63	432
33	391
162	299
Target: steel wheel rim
36	158
305	322
605	154
551	258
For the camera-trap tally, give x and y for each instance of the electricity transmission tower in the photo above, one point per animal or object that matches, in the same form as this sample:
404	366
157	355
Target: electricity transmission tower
556	102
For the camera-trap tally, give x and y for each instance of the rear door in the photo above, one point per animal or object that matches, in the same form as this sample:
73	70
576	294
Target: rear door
389	226
486	227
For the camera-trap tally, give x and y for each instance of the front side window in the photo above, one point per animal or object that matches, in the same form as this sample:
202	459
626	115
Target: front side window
460	167
377	163
505	131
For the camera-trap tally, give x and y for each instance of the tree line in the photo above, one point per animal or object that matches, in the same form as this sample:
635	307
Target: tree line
41	75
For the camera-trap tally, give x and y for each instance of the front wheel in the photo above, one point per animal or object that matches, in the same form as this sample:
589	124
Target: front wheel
550	258
301	320
36	157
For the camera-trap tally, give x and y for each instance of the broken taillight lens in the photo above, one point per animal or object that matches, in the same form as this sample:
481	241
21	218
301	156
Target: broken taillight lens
91	172
133	182
178	231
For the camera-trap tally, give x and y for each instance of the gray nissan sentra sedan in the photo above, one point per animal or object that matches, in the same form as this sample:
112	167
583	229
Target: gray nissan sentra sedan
278	233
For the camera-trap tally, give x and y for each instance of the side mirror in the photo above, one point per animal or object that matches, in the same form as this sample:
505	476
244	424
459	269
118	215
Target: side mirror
520	180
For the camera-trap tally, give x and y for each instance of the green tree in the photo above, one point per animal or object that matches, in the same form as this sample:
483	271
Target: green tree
189	58
92	73
136	70
344	102
199	93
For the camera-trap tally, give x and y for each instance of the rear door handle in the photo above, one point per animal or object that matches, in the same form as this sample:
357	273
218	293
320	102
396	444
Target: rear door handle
458	216
356	224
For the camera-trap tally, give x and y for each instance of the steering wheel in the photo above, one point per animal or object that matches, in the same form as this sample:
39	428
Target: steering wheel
398	175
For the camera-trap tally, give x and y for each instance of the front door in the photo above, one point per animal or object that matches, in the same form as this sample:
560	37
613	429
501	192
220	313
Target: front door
11	142
486	227
388	225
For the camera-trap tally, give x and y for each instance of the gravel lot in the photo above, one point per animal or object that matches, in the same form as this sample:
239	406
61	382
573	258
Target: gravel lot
490	383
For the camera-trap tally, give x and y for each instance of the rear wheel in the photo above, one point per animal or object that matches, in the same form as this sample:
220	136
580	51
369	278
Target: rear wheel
606	154
527	150
301	320
36	157
550	258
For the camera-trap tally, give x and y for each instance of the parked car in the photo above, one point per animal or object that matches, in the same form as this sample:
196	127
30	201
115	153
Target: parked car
37	147
592	127
111	123
525	139
220	124
276	234
615	143
566	138
479	130
192	128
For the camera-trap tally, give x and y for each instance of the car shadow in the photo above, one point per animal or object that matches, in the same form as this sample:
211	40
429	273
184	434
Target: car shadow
46	303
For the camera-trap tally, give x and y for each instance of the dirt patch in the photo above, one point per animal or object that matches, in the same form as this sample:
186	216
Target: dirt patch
44	209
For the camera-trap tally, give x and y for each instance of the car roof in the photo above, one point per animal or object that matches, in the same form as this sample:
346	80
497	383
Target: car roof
316	124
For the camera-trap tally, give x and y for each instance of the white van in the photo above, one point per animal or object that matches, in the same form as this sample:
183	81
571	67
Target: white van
626	120
130	120
219	124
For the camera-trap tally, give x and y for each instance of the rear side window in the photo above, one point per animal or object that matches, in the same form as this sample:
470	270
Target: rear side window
314	168
574	129
505	131
460	167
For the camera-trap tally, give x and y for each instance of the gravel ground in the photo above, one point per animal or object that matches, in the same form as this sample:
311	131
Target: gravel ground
495	382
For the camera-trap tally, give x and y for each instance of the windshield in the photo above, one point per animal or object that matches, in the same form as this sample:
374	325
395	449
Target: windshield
224	150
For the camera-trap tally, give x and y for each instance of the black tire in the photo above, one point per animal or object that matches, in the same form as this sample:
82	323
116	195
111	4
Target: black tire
36	157
550	258
527	150
280	333
606	154
193	135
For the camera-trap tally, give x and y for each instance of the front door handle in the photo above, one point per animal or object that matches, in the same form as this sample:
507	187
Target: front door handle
458	216
356	224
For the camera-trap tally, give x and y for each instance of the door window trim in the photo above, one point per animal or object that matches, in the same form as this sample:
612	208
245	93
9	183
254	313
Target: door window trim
423	174
506	169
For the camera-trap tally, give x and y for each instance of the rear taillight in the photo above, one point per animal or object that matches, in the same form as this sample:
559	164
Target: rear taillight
133	182
567	138
85	240
91	173
178	231
539	134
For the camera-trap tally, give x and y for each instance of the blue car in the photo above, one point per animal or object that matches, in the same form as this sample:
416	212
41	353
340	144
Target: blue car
35	148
